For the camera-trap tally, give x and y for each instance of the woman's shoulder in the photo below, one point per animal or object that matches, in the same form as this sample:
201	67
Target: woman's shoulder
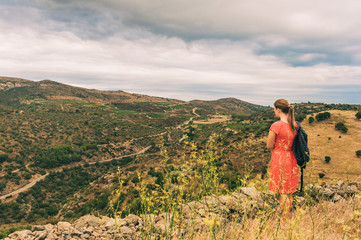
277	123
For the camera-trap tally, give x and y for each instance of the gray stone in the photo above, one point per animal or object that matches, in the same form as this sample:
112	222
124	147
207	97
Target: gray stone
22	235
76	233
300	200
124	233
49	228
350	190
87	221
64	227
40	235
336	198
133	220
328	192
37	228
252	192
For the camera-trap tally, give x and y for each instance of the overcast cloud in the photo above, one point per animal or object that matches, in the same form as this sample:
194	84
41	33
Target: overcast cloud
253	50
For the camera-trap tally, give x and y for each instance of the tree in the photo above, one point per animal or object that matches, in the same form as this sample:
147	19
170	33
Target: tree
327	159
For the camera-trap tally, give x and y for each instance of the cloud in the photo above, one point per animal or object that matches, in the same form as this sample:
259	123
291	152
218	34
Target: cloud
203	50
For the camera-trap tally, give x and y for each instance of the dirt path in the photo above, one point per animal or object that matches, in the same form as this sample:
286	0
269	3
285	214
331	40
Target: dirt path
32	183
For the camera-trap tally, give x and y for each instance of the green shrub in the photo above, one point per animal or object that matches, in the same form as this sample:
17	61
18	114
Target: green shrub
342	127
323	116
358	153
358	115
327	159
311	120
3	157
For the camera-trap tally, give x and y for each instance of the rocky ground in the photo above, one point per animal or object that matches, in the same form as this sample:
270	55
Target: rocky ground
194	215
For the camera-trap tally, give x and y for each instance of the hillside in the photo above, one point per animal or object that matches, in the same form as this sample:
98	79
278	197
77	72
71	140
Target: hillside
78	146
325	140
73	140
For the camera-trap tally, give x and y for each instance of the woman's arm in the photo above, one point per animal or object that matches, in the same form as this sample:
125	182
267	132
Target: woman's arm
271	140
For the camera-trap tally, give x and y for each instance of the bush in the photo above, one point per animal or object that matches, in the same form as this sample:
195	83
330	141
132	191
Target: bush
311	120
358	115
3	157
300	118
342	127
358	153
323	116
327	159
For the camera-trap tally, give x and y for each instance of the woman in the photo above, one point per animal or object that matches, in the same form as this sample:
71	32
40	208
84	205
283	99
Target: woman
284	169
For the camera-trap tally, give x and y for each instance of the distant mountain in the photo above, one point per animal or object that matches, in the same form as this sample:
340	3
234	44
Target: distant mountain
16	91
16	88
229	106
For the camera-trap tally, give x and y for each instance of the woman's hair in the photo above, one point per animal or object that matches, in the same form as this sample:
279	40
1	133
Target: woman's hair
287	109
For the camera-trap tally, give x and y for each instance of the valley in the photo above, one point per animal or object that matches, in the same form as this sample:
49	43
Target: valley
65	151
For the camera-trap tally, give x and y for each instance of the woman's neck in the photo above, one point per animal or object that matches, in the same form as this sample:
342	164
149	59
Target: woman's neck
284	117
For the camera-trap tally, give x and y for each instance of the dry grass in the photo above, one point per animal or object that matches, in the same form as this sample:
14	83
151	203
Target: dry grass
327	220
324	141
214	119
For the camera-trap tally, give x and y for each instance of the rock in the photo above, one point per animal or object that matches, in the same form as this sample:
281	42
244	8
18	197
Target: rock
340	184
49	228
336	198
191	210
76	233
37	228
351	190
87	221
133	220
328	192
22	235
252	192
300	200
124	233
40	235
64	227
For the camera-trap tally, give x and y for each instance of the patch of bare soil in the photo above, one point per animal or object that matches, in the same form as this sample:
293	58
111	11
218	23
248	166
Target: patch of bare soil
214	119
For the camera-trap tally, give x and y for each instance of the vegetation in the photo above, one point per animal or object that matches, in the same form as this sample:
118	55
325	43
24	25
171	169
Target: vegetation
341	126
358	115
82	137
327	159
358	153
311	120
323	116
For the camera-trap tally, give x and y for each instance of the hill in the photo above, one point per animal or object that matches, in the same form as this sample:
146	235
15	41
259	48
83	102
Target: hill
78	147
326	140
72	140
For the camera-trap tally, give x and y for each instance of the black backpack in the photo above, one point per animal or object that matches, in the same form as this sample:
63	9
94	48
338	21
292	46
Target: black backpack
301	150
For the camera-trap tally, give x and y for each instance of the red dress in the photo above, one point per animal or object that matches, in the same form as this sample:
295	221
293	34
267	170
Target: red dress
284	169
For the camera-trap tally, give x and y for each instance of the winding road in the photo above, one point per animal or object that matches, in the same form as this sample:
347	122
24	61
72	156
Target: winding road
32	183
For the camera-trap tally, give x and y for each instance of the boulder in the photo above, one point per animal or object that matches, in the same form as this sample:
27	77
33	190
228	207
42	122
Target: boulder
328	192
37	228
22	235
336	198
87	221
132	220
64	227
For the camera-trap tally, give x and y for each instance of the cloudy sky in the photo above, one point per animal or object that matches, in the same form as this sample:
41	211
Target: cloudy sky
254	50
